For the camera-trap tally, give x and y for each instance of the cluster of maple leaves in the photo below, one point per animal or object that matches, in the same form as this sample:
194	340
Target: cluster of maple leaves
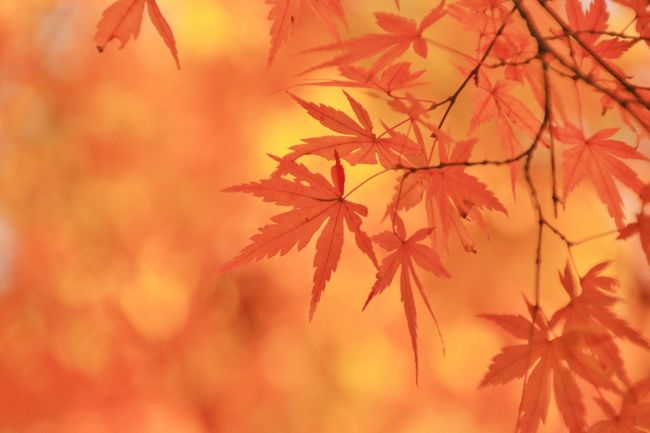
578	341
552	49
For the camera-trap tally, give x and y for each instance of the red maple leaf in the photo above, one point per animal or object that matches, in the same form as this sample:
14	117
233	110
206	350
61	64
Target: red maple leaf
585	347
589	314
494	101
450	195
590	310
122	20
599	156
315	202
545	362
588	24
405	253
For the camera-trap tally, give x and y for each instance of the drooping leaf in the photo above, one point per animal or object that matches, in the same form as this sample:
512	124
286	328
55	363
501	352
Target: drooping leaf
404	254
164	30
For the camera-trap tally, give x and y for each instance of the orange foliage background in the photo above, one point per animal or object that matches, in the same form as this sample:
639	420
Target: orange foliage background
112	225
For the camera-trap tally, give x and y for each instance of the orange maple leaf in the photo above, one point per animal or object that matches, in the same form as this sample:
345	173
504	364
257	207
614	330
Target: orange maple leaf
450	195
122	20
315	202
494	101
585	347
359	144
590	310
546	362
405	254
588	24
589	314
599	156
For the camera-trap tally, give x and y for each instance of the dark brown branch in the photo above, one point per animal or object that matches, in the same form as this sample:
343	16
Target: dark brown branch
472	74
595	56
600	33
542	43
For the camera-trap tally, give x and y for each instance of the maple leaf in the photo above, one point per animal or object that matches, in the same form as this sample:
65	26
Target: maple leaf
589	313
400	34
450	195
359	145
284	15
634	415
599	157
591	22
122	20
315	202
545	362
585	347
594	19
495	101
404	255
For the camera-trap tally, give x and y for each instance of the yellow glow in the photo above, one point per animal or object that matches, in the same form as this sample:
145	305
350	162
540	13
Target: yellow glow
157	301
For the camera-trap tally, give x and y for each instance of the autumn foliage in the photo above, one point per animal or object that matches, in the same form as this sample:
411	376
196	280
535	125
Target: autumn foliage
406	172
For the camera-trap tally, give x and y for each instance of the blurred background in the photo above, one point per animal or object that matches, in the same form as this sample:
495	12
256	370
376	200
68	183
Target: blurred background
112	224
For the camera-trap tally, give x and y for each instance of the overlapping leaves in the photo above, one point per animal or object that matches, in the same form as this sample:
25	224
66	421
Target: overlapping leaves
578	341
